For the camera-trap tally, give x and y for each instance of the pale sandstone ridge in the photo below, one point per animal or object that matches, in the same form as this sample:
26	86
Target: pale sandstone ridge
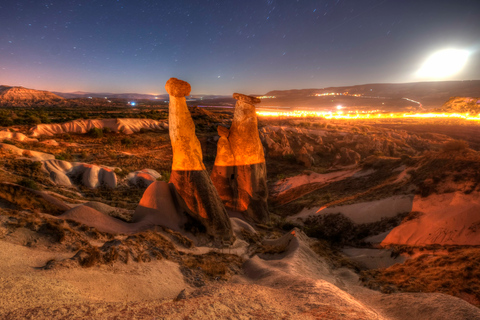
34	155
17	94
240	172
127	126
6	134
194	190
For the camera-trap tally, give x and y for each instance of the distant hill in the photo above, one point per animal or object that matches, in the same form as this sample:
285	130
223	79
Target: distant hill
21	94
462	105
126	96
391	95
130	96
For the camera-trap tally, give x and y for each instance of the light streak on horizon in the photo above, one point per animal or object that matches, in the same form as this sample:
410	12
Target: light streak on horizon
364	115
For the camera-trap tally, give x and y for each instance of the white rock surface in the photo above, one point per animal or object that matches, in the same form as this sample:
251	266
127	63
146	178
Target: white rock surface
127	126
143	178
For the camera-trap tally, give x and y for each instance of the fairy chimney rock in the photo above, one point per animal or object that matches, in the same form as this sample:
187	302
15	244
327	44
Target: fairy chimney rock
194	189
178	88
242	182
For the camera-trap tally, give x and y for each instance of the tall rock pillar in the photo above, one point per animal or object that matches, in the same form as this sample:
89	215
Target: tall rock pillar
240	172
194	189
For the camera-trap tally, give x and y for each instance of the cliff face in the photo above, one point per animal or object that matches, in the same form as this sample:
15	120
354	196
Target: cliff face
20	94
462	105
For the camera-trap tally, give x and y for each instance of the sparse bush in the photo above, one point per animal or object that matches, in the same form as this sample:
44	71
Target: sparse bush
28	183
290	158
67	156
35	166
455	146
95	133
67	137
8	142
127	142
165	176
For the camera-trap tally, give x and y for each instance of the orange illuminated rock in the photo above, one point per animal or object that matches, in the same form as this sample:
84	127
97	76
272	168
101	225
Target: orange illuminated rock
244	138
194	191
157	207
239	173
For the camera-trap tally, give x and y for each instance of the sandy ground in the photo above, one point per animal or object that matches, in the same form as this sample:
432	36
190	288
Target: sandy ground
373	258
295	284
364	212
23	284
450	218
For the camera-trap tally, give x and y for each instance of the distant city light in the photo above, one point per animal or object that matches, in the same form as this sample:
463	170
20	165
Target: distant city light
363	115
339	107
443	63
132	103
266	97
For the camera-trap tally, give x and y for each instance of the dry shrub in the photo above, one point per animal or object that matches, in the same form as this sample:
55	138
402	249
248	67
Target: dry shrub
456	273
28	199
215	266
179	238
341	230
88	257
333	256
455	146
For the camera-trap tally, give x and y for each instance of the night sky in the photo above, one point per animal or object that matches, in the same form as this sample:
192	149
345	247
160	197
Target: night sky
226	46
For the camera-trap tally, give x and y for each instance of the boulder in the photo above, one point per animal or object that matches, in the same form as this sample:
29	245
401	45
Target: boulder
93	176
57	171
194	190
143	178
304	158
239	172
158	208
347	157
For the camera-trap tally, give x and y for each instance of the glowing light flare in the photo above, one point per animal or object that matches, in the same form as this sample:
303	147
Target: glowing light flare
363	115
443	63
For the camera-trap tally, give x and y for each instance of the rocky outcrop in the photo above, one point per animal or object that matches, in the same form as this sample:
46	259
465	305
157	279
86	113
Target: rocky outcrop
126	126
20	94
194	190
17	136
93	176
239	172
65	174
158	208
304	158
143	178
469	105
347	157
34	155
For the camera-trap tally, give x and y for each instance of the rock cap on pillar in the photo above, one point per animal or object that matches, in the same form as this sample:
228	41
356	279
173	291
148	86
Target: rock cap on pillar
247	99
178	88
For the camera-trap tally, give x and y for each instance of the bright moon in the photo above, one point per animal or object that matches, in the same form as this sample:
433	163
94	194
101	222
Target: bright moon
443	63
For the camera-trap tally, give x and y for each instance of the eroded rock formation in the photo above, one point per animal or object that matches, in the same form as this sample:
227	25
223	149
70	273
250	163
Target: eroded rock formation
194	190
240	173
